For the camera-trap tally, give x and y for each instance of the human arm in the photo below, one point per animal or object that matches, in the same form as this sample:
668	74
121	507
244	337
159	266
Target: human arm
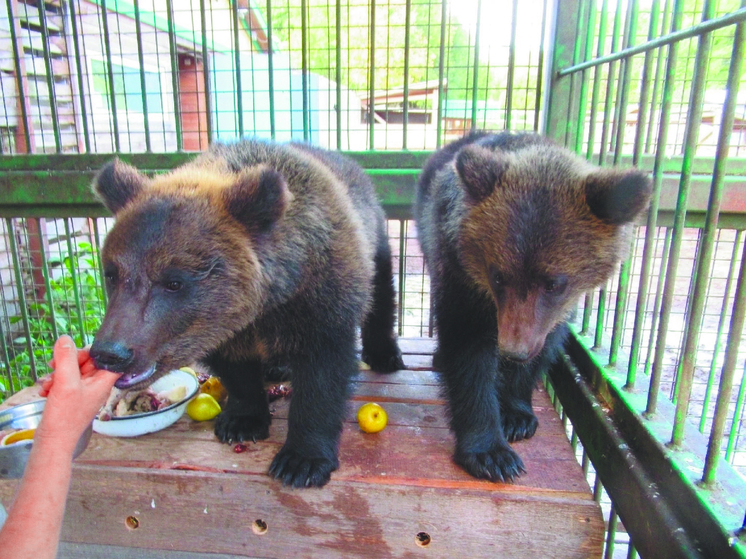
75	392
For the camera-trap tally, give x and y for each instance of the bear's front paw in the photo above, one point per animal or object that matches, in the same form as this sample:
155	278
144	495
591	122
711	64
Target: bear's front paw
294	468
500	463
232	427
519	425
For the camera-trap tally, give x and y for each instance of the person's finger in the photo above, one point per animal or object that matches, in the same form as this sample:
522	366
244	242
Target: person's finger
87	367
101	383
46	386
65	357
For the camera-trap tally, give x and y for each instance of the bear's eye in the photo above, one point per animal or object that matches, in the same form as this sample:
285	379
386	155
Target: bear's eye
173	286
555	285
110	275
497	279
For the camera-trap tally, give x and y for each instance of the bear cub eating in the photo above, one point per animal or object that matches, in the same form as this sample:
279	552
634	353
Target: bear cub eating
513	229
254	255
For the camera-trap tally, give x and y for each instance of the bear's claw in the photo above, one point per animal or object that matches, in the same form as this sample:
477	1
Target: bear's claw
519	425
498	464
230	428
293	468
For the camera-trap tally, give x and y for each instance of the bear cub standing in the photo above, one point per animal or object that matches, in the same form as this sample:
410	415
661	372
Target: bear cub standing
254	255
513	229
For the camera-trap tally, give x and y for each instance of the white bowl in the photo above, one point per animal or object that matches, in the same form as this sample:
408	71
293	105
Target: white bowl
152	421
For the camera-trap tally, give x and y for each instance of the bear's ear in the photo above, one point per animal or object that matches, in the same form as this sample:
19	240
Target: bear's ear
480	170
258	199
117	183
617	196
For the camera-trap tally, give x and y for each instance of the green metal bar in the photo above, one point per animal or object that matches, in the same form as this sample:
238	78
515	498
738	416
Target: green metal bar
475	85
41	8
737	419
658	301
21	295
372	78
174	74
611	533
642	118
624	272
304	67
141	60
511	68
81	85
441	73
97	248
47	284
338	50
237	73
721	327
574	128
696	30
589	35
684	379
602	24
405	104
110	76
270	69
611	81
739	307
12	16
660	59
76	284
205	71
668	91
6	359
726	377
539	67
601	313
587	311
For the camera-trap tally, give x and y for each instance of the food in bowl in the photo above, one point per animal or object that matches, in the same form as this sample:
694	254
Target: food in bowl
132	402
12	436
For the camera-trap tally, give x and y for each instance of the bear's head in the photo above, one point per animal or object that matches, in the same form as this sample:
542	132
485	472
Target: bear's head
180	263
541	227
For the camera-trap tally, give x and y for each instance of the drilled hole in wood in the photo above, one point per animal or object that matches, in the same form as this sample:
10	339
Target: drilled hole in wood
259	527
422	539
132	522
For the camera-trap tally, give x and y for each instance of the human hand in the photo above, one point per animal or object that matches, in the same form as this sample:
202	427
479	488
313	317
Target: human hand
75	391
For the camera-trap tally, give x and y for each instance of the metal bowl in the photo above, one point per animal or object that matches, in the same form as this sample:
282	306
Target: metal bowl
13	457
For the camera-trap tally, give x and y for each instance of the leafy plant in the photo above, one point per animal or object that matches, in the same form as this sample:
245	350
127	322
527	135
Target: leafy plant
77	307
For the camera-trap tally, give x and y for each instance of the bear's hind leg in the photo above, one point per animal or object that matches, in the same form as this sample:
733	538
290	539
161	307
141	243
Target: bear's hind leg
246	415
380	348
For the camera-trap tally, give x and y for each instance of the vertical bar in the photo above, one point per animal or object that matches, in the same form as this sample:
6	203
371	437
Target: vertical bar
6	359
237	73
624	273
540	68
97	248
76	284
41	7
338	75
737	418
573	126
174	74
304	67
660	152
143	88
21	295
589	33
270	69
205	70
611	533
511	68
596	91
110	76
20	75
691	138
441	71
720	329
726	376
475	85
658	299
45	273
81	84
667	9
402	269
405	104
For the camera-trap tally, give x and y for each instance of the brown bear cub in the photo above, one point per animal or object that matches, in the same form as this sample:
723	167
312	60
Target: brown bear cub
513	229
253	255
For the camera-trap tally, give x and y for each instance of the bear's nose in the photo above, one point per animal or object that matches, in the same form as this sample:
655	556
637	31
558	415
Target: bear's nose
112	356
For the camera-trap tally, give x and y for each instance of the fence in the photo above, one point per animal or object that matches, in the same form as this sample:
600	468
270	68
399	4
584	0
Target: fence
653	387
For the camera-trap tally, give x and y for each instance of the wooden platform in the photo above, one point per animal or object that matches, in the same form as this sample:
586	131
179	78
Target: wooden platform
396	494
